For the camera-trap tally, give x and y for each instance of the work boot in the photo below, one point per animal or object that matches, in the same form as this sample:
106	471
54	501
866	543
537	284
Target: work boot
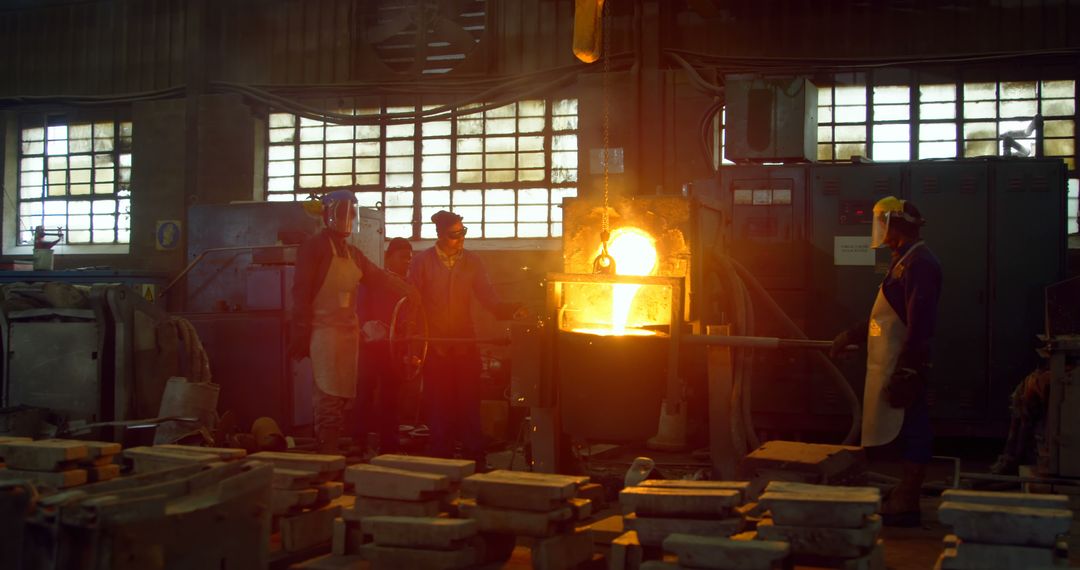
901	508
328	441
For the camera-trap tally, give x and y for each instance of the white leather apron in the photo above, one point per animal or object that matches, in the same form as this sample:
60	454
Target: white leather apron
881	422
335	331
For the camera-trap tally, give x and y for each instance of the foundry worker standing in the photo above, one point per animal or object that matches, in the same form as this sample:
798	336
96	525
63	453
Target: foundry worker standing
379	383
449	278
898	337
325	325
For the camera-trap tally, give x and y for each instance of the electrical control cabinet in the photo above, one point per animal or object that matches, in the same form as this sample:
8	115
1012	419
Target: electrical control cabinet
997	226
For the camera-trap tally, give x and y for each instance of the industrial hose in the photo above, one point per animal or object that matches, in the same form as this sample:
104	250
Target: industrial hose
834	373
743	435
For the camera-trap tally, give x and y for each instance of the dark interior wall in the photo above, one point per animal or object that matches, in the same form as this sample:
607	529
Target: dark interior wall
113	47
872	28
121	46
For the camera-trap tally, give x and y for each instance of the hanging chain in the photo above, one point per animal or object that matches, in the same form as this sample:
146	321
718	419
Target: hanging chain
605	32
604	263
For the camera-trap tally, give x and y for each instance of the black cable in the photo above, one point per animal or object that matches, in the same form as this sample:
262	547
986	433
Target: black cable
834	373
797	65
695	77
475	104
90	100
706	130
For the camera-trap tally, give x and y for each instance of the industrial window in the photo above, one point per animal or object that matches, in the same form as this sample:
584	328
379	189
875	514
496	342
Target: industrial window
891	123
841	122
506	170
75	176
949	120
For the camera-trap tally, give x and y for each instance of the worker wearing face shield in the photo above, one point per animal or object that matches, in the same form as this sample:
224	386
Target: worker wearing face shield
897	337
449	279
325	325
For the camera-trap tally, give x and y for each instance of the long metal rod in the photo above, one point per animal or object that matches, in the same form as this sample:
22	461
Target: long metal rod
445	340
1018	479
204	253
756	342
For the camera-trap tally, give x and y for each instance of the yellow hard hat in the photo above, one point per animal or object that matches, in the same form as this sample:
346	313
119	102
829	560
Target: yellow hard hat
313	207
888	204
887	209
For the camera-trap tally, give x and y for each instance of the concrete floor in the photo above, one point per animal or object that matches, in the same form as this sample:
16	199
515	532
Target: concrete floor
905	548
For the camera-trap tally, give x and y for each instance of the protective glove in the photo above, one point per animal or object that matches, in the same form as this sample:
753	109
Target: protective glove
905	387
839	345
299	342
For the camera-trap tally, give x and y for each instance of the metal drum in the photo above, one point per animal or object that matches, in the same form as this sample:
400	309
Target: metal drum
610	387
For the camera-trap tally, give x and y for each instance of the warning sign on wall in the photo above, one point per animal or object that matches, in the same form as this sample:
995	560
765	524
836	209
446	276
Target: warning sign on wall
167	234
853	250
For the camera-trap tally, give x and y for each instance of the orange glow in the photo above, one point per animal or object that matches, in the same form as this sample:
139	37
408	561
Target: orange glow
613	332
634	251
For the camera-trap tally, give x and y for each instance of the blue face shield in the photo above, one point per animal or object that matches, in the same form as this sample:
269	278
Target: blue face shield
339	213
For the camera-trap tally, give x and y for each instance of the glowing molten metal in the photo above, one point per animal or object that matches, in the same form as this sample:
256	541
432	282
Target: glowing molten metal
634	251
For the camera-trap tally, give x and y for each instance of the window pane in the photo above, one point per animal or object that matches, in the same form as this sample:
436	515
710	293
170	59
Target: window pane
338	150
532	213
937	149
1065	88
282	120
498	230
436	146
932	111
892	151
1017	90
537	143
980	130
892	112
399	131
846	151
1059	147
435	180
565	107
1018	109
527	230
281	152
436	129
850	95
885	94
850	133
939	92
464	197
1058	107
470	144
851	114
535	108
399	180
887	133
980	91
564	123
533	196
1059	128
937	131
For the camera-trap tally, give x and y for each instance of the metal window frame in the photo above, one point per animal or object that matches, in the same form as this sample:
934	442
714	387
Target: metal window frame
116	118
417	188
915	120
